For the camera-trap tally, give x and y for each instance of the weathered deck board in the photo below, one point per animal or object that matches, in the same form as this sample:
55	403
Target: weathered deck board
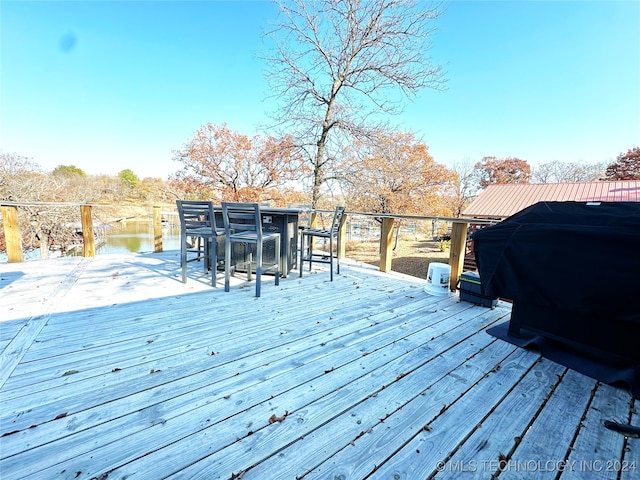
115	369
557	422
449	428
498	432
594	446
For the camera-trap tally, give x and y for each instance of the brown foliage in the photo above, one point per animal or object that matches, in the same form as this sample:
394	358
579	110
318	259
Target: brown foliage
626	166
222	164
492	170
395	173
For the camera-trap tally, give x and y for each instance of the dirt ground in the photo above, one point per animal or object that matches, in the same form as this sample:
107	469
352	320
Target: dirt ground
411	255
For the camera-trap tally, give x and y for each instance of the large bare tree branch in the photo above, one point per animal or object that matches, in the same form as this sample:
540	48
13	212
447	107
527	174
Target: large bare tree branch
335	63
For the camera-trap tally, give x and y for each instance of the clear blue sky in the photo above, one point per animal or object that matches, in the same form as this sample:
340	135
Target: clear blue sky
112	85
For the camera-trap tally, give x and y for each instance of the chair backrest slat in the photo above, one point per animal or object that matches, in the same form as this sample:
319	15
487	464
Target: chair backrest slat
195	214
304	217
338	215
242	217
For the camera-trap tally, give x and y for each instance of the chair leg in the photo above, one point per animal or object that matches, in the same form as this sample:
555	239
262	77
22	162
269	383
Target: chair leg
213	260
200	250
204	253
227	264
301	257
331	257
183	264
338	254
183	258
258	267
250	263
277	240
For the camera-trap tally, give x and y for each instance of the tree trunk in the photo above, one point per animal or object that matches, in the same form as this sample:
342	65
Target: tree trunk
317	176
318	167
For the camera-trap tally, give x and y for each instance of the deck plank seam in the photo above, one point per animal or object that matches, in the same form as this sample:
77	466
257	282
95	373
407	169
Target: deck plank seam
322	375
18	347
136	351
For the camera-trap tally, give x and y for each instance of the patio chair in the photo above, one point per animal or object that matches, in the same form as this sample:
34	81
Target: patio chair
243	224
197	223
307	253
305	219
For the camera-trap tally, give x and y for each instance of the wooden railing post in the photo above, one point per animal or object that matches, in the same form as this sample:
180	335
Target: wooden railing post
342	253
313	224
157	229
386	244
12	237
87	231
456	252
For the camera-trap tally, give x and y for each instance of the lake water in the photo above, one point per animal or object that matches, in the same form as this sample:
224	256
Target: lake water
137	236
123	237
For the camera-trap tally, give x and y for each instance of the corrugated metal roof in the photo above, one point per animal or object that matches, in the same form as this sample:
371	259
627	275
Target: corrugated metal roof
501	201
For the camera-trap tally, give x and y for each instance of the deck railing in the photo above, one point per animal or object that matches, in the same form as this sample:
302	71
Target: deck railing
459	228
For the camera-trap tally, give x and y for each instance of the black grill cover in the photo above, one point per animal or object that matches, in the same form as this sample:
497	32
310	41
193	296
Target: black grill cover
572	270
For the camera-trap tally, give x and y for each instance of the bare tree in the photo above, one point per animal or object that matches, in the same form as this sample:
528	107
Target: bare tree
42	225
466	185
556	171
12	166
338	62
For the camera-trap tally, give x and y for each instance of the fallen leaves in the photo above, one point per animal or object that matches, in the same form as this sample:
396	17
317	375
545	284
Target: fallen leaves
275	419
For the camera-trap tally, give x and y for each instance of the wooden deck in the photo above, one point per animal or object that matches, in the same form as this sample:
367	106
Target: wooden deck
112	369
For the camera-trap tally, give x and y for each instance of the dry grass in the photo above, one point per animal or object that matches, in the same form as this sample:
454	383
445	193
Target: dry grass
411	255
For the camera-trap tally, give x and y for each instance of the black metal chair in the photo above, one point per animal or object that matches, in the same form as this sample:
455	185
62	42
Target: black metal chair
243	224
307	253
198	224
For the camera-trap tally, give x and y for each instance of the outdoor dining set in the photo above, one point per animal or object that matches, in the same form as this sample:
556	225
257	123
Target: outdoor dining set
236	237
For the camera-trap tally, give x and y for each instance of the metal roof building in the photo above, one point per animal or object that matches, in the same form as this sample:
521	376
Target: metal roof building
501	201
